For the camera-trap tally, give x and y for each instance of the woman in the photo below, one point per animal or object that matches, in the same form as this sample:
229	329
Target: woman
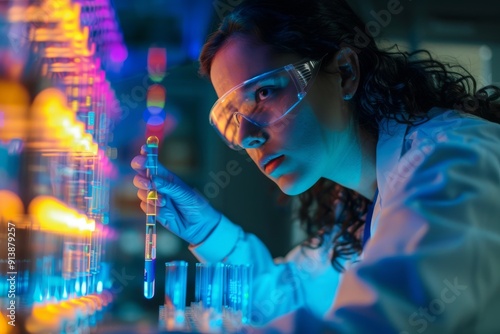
344	126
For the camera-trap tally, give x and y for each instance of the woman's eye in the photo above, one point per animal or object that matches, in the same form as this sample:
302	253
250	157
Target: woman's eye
264	93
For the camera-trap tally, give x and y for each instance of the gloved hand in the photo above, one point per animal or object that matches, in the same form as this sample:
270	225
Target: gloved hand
179	208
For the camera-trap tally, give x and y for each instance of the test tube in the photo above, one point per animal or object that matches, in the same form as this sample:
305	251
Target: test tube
150	240
209	289
175	294
246	271
238	297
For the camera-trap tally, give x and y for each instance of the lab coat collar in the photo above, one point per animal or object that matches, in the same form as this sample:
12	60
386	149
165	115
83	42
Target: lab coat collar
389	150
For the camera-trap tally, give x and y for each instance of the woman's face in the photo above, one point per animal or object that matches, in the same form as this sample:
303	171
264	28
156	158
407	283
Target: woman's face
310	142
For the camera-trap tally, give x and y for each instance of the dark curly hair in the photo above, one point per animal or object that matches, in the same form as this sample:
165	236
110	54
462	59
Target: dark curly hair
393	85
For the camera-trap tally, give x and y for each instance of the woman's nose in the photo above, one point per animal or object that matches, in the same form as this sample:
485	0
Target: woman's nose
251	135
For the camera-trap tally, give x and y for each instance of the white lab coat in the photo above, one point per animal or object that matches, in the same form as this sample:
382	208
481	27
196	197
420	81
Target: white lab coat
433	261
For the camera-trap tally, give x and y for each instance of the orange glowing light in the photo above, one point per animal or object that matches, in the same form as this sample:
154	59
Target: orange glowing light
14	105
85	144
67	310
55	216
43	319
76	131
49	101
13	93
11	206
50	213
156	98
98	301
54	125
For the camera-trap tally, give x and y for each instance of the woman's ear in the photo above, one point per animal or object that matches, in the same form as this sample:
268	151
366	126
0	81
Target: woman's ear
347	64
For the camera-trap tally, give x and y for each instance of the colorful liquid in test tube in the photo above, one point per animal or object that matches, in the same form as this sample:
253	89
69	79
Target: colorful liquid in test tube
150	241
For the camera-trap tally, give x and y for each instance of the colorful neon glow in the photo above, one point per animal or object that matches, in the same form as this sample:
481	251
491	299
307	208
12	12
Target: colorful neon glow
65	133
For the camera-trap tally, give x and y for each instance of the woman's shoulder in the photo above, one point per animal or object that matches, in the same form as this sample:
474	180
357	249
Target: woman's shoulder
442	121
450	126
449	140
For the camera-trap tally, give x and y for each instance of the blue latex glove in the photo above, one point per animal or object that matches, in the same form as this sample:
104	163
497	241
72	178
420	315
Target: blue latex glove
180	209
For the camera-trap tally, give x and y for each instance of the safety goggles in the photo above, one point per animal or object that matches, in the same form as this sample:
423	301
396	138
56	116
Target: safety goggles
262	100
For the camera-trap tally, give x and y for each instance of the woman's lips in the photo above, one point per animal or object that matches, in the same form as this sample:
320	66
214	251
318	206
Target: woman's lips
273	164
